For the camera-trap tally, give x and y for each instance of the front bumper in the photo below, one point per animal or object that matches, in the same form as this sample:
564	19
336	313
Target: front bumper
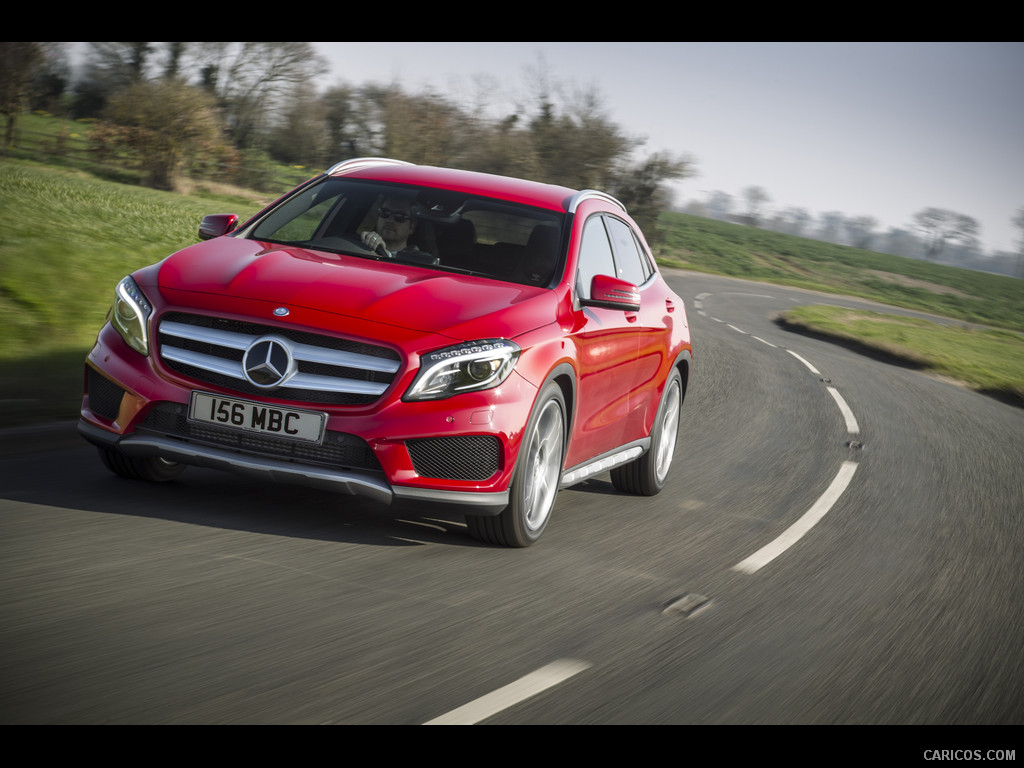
392	450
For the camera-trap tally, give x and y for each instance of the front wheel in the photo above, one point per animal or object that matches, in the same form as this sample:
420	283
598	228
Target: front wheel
151	469
647	475
535	484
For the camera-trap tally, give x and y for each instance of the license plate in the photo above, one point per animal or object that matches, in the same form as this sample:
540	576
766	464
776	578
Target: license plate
257	417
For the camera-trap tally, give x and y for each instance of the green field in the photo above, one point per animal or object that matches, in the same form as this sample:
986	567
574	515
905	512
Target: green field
707	245
67	237
984	351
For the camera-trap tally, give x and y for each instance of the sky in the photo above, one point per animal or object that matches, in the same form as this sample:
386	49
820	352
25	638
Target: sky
866	129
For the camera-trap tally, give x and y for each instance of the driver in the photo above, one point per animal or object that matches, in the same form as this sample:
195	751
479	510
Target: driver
395	225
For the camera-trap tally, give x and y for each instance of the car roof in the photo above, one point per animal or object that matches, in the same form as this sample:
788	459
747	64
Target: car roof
535	193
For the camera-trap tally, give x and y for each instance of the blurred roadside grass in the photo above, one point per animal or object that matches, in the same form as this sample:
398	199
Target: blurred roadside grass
990	361
66	238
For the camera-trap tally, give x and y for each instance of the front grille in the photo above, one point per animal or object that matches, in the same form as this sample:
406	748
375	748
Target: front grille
330	371
472	457
104	396
338	451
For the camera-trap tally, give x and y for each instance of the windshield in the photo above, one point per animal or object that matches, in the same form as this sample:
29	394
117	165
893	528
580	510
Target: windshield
437	228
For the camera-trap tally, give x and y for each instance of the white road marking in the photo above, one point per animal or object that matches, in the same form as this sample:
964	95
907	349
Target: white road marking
758	338
810	518
810	367
513	693
825	503
851	422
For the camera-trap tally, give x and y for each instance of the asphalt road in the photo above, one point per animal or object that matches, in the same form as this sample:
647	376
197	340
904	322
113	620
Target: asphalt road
840	543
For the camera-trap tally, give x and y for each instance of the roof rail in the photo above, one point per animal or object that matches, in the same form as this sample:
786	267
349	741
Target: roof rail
591	194
363	162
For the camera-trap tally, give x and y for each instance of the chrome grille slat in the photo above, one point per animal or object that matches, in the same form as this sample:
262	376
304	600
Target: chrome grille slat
206	362
344	359
336	370
330	384
198	333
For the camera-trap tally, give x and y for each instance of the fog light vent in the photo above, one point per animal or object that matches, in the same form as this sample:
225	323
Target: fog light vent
472	457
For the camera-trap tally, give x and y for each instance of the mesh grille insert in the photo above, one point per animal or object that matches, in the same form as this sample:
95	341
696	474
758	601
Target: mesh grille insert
473	457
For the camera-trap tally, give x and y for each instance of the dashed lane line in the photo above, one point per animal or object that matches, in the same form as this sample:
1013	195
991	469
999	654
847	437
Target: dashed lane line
796	531
511	694
851	422
827	500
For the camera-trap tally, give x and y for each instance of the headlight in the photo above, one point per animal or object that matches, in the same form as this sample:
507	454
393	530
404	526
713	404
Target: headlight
467	367
130	315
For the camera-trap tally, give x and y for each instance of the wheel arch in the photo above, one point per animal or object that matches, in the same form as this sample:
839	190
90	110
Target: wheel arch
564	375
683	364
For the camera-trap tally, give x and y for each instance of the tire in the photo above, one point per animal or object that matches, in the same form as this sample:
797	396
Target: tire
150	469
647	475
536	480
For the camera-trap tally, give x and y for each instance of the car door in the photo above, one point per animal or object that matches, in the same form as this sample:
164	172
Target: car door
606	347
650	326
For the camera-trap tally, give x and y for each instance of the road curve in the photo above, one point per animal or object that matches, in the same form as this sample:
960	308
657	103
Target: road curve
839	543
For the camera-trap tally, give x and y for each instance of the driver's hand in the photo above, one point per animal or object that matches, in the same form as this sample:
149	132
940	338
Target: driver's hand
374	241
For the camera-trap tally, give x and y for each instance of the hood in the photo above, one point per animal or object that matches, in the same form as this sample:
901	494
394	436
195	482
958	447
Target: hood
389	293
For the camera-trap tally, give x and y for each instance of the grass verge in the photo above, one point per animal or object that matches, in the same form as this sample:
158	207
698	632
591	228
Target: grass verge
987	360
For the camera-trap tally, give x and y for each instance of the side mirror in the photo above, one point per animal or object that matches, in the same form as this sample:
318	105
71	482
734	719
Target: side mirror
217	224
613	293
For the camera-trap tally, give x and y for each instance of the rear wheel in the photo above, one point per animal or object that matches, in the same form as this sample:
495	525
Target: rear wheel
647	475
151	469
535	484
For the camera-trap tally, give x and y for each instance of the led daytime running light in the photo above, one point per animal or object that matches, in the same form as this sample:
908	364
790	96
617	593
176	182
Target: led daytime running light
469	367
130	315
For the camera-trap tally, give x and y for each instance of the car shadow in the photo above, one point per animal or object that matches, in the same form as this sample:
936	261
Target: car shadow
225	501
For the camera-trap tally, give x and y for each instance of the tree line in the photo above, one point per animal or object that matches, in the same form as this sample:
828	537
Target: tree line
228	109
934	234
182	108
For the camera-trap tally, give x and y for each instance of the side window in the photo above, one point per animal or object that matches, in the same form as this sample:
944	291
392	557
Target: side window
631	263
595	255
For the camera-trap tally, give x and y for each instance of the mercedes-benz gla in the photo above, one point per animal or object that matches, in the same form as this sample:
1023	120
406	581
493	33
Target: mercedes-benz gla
402	332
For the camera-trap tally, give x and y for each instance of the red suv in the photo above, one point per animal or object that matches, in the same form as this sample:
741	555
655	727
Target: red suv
402	332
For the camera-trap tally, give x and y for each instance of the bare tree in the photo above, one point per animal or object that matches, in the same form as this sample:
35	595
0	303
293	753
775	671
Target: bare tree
174	58
574	140
940	226
1018	222
109	68
642	188
719	205
831	225
756	198
300	135
51	79
861	230
792	221
17	61
251	79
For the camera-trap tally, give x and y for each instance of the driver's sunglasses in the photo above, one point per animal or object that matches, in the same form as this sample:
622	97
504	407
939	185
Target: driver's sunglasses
387	213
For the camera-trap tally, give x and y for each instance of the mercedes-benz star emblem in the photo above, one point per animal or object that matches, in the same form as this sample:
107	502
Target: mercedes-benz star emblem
268	362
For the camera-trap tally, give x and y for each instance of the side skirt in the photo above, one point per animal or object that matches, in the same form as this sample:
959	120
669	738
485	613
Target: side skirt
621	455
